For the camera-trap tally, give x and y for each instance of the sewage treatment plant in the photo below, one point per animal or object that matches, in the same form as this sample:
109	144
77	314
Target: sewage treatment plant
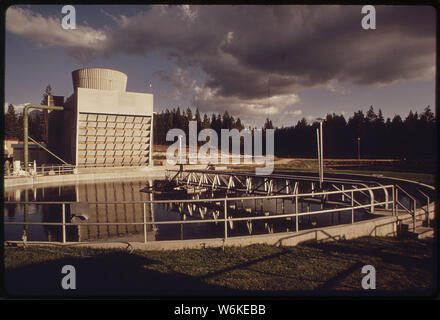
108	192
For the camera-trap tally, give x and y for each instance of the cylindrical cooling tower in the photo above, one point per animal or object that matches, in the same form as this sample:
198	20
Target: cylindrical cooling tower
99	78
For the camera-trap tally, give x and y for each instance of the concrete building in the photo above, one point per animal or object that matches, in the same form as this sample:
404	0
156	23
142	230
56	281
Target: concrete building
102	124
36	153
8	149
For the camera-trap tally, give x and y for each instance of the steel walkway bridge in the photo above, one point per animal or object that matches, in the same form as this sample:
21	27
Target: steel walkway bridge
249	183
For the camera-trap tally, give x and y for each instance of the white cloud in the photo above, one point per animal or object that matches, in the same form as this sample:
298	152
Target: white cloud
280	105
83	43
336	87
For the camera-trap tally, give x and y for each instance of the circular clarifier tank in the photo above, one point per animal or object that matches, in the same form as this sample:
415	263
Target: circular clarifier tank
99	78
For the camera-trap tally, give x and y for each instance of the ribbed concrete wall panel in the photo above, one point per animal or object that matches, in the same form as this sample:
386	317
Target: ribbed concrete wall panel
113	147
98	78
113	126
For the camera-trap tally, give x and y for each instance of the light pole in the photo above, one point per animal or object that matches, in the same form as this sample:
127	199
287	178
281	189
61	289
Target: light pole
320	152
359	148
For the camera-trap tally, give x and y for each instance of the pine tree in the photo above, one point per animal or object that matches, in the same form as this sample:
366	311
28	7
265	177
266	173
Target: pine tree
11	123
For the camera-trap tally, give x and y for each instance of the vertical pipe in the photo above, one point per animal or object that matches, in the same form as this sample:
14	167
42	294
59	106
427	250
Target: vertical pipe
25	138
63	217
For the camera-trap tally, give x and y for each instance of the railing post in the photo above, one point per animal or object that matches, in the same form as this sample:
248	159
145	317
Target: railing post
145	222
397	201
226	219
414	215
427	211
394	200
352	206
63	219
372	201
296	213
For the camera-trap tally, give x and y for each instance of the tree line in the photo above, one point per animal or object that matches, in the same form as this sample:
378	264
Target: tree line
365	135
14	122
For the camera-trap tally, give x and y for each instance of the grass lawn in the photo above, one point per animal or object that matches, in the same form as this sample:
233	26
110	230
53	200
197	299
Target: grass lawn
403	267
427	178
308	165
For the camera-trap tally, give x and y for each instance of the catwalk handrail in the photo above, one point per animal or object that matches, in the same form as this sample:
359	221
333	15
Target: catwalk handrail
223	200
413	200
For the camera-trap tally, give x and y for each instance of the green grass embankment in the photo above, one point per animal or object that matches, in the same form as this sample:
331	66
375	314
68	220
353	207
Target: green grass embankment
402	267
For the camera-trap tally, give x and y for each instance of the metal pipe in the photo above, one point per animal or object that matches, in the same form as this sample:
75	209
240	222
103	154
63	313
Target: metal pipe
26	131
25	138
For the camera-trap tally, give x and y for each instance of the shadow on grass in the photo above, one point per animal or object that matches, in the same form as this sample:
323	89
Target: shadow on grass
114	274
405	254
122	274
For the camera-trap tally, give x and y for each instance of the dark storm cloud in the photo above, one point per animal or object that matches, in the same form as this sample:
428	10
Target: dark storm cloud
243	50
249	52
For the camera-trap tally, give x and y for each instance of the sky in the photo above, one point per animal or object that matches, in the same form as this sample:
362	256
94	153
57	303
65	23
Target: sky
255	62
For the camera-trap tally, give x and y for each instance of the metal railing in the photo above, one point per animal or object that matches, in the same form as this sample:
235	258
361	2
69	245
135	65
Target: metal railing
53	169
43	170
427	205
412	208
223	202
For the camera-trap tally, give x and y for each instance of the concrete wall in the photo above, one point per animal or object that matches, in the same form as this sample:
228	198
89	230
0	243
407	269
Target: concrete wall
113	128
114	102
99	78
